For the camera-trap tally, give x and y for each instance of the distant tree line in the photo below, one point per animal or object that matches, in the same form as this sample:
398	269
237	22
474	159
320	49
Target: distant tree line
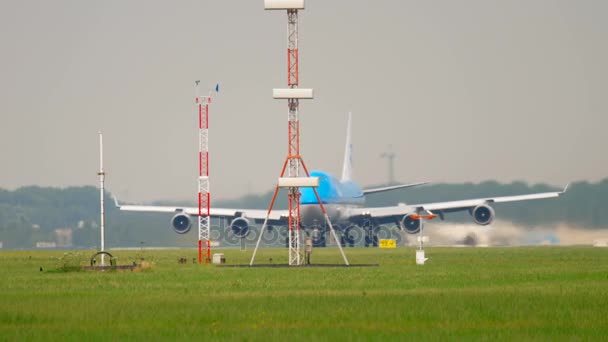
33	214
583	205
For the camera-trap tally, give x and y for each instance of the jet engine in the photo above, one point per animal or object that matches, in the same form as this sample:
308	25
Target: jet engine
483	214
410	225
181	223
240	227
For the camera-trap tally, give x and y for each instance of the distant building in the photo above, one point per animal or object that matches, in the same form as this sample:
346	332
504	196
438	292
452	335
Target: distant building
63	237
596	243
1	244
46	244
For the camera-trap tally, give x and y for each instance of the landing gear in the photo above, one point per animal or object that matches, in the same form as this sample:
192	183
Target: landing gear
319	238
371	236
351	236
346	237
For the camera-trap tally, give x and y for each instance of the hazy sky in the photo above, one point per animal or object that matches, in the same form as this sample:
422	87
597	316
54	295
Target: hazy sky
464	91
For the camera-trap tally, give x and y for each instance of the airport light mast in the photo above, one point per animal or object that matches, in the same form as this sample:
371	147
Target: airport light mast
204	196
294	160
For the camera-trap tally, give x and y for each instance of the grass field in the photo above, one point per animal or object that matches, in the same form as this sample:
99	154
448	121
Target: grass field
542	293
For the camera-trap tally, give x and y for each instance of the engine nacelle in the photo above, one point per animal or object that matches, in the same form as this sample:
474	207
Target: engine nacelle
240	227
483	214
181	223
410	225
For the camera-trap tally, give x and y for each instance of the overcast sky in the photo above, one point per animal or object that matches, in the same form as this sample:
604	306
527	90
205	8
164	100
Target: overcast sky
464	91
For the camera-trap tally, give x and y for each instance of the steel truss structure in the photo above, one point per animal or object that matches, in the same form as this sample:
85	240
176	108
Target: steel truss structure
204	196
294	159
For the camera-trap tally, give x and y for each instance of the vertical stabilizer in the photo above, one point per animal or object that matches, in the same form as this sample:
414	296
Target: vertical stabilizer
347	168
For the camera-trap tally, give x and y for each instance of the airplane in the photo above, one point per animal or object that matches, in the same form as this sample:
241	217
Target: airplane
344	201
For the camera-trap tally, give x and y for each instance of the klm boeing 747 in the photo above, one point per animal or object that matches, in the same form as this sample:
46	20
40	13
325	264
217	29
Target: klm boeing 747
344	201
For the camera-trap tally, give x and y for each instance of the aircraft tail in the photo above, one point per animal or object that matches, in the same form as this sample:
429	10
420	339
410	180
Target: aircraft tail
347	168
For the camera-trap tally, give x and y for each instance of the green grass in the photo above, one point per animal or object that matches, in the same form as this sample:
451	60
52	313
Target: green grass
544	293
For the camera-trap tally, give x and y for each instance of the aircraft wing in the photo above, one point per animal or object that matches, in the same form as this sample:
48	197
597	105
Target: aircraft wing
391	187
255	214
450	206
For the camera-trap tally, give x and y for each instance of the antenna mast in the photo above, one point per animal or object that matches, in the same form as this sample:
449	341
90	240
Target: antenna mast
390	156
102	219
204	197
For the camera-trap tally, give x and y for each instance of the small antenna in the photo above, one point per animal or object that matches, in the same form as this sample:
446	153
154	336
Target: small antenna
390	156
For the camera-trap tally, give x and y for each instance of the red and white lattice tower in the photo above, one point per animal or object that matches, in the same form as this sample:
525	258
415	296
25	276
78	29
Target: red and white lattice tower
294	160
204	196
293	132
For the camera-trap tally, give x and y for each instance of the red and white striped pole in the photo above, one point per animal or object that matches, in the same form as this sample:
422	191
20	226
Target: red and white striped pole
204	196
